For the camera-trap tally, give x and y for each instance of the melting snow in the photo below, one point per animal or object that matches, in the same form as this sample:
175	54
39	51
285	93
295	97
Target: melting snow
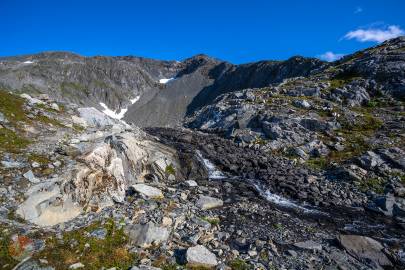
213	172
112	113
135	99
164	81
28	62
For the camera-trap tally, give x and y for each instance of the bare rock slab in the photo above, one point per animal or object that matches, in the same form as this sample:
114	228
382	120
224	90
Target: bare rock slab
206	202
309	245
148	191
144	235
201	256
364	248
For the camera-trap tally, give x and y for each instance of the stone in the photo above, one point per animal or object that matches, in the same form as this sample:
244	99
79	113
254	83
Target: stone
398	211
206	202
148	191
144	235
99	233
3	119
386	203
95	118
302	104
272	131
31	177
309	245
200	256
35	164
369	160
191	183
76	265
364	248
43	205
31	100
79	121
31	265
144	267
167	222
11	164
55	107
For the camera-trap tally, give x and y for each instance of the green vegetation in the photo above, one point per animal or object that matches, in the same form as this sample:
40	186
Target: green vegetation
49	121
318	163
375	184
94	253
170	170
355	135
199	267
12	107
41	159
212	220
278	226
239	264
6	260
11	142
259	141
171	266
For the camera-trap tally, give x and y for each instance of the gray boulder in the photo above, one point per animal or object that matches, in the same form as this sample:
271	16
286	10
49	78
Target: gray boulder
206	202
302	104
144	235
309	245
364	249
201	256
272	131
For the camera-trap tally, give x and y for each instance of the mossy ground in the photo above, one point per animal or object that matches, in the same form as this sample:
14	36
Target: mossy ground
11	142
6	260
94	253
211	220
356	136
170	170
239	264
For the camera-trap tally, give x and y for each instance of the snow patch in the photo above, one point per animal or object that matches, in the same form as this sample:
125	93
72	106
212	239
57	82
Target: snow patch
28	62
213	172
164	81
112	113
135	99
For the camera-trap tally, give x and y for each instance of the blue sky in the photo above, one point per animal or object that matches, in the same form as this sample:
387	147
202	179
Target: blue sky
237	31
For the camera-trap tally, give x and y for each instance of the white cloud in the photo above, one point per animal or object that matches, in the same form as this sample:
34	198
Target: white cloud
358	10
330	56
375	34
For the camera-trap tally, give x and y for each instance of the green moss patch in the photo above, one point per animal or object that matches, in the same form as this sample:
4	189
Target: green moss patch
6	260
212	220
94	253
239	264
11	142
12	107
374	184
170	170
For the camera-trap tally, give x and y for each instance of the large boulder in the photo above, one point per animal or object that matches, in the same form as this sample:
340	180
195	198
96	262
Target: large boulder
365	249
144	235
206	202
148	191
200	256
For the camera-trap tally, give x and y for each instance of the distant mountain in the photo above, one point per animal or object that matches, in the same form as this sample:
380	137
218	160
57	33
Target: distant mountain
161	93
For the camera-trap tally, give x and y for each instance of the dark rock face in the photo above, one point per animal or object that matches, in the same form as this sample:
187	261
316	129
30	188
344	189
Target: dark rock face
84	80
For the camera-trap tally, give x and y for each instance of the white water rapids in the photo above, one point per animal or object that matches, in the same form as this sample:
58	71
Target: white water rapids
215	174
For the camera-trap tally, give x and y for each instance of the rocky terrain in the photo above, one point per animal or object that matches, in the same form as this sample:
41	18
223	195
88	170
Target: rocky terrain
296	164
